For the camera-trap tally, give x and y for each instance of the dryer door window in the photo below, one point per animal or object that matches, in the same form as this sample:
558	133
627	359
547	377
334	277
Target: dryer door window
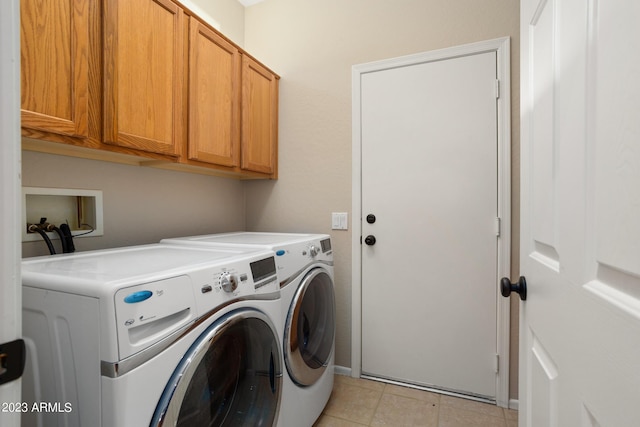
231	376
310	328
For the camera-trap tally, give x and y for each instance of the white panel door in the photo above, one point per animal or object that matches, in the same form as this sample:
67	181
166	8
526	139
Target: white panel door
429	175
580	224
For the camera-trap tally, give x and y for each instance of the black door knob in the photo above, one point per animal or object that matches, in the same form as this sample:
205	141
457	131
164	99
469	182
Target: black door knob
506	287
370	240
371	218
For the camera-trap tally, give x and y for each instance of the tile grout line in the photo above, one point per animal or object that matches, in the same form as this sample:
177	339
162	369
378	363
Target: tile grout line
439	405
375	410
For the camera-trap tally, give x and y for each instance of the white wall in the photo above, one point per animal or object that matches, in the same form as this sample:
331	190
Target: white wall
313	45
226	16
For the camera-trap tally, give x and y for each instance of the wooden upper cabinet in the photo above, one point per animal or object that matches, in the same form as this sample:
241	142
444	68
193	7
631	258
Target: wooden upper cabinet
54	52
214	97
143	75
144	78
259	140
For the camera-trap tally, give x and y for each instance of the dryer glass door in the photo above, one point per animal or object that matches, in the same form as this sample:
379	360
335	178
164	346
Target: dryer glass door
231	376
310	328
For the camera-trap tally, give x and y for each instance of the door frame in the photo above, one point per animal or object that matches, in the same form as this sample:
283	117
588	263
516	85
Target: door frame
502	48
10	194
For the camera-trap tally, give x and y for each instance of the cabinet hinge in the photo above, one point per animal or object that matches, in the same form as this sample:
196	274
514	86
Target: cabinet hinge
497	89
498	227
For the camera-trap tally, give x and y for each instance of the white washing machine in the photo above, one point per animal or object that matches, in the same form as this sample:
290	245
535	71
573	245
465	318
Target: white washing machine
305	272
152	335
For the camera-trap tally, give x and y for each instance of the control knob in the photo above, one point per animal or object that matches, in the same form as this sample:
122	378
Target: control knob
313	251
228	281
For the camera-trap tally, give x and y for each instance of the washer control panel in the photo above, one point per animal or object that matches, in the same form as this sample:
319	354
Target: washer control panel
226	281
242	279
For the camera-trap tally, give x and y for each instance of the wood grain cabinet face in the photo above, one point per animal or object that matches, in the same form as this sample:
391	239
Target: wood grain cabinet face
145	78
214	98
143	75
259	118
54	52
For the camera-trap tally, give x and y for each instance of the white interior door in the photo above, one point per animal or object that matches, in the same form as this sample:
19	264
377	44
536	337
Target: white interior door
10	296
429	175
580	237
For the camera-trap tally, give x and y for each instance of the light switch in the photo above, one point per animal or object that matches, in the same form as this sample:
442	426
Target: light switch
339	221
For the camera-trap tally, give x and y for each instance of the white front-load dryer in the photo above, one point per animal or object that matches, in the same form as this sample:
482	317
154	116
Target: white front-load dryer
305	272
153	335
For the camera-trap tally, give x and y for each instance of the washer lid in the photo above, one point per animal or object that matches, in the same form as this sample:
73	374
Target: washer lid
247	238
123	266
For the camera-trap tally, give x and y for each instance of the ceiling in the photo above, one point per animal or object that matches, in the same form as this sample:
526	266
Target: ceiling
246	3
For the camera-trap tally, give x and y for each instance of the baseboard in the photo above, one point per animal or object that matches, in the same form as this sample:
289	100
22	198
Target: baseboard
513	404
342	370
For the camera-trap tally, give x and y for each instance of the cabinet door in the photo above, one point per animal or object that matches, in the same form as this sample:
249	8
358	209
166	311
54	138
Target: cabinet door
143	78
54	52
214	97
259	118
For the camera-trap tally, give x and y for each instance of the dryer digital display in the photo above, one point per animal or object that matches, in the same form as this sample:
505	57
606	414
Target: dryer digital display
326	245
262	269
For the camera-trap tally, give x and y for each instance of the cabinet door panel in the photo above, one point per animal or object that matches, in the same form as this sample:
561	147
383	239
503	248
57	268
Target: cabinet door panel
214	97
259	117
54	66
143	78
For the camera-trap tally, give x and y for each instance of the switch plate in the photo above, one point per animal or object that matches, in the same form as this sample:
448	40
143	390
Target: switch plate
339	221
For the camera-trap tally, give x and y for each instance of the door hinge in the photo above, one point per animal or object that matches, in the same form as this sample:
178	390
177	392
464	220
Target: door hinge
497	89
496	366
12	360
498	226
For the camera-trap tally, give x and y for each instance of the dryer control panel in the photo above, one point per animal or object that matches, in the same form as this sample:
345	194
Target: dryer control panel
292	258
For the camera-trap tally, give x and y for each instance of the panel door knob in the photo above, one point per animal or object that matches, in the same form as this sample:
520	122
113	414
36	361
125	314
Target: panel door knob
520	287
370	240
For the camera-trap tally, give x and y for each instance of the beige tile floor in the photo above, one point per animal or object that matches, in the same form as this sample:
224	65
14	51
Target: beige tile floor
357	402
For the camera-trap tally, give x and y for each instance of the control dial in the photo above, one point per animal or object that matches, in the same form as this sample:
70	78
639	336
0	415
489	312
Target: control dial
313	251
228	282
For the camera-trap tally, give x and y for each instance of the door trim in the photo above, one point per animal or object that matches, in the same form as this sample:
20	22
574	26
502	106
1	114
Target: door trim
10	213
502	48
